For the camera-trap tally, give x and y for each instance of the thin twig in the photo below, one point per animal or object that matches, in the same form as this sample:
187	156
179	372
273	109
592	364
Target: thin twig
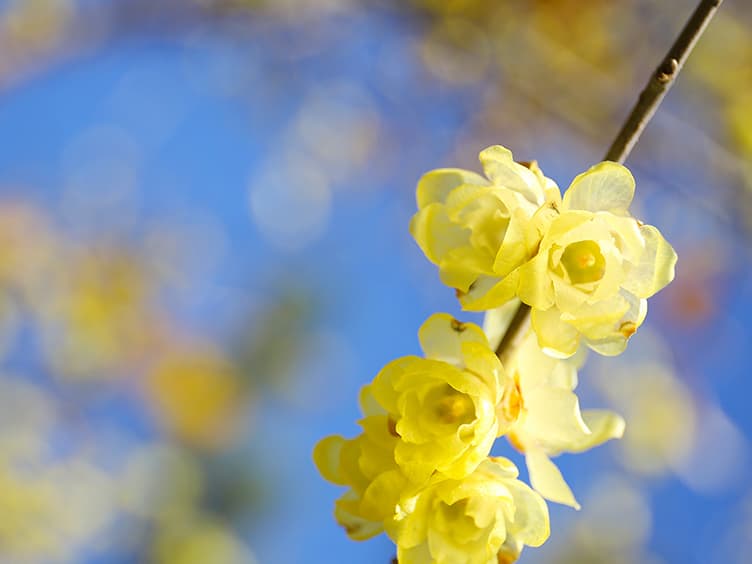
661	81
650	98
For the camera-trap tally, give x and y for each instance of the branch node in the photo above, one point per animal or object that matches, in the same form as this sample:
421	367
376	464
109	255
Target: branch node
667	71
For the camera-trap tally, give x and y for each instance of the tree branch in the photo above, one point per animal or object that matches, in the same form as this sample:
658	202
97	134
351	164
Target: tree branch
650	98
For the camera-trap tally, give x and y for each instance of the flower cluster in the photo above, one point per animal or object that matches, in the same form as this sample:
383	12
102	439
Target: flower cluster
421	470
582	263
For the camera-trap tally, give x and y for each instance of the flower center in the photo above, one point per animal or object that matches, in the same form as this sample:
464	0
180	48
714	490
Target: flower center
583	262
454	407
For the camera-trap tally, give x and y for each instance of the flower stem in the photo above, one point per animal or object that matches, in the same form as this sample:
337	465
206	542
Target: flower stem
650	98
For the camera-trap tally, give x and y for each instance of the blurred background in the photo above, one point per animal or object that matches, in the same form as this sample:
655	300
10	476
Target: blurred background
204	254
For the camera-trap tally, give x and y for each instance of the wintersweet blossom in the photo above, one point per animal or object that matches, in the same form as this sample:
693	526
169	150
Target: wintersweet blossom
442	407
486	518
478	230
366	466
595	266
548	418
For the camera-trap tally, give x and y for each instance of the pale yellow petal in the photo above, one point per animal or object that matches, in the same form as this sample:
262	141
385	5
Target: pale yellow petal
461	266
604	425
488	292
520	242
607	186
555	337
655	268
531	524
547	480
553	415
597	320
441	337
435	234
436	184
499	166
535	287
611	339
626	231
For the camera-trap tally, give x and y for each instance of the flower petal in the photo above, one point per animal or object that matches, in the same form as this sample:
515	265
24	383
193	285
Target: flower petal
604	425
606	186
326	455
434	186
547	480
655	268
555	337
553	415
347	513
531	524
441	337
499	166
535	287
435	234
488	292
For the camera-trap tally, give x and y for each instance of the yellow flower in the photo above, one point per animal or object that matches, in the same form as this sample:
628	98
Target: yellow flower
595	267
443	406
478	231
548	419
484	518
366	466
196	394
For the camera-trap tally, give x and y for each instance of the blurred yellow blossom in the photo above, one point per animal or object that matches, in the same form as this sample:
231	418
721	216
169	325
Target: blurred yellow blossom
97	318
196	393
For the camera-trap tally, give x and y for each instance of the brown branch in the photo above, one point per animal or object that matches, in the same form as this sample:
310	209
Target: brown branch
661	81
650	98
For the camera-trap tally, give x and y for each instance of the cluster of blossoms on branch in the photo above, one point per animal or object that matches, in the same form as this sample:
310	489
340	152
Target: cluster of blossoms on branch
421	469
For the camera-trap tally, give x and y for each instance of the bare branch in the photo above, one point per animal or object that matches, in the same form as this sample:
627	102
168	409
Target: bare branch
650	98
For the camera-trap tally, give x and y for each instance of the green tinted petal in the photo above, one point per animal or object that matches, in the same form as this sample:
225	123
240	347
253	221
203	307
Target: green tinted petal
606	186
